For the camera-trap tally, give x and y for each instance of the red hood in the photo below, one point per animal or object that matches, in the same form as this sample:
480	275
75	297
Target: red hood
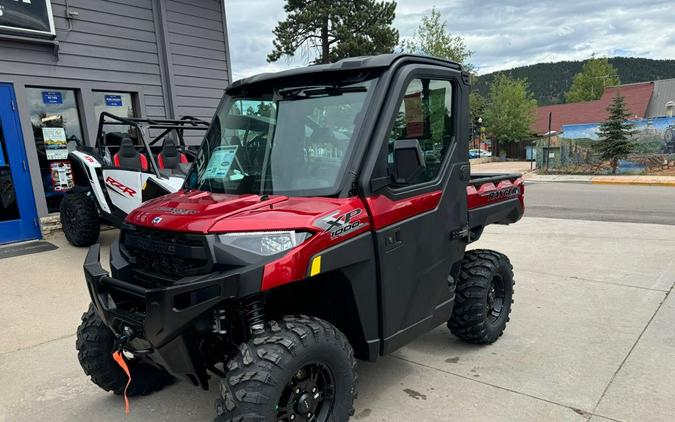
204	212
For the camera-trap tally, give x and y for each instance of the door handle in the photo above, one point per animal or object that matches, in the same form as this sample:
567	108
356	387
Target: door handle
392	240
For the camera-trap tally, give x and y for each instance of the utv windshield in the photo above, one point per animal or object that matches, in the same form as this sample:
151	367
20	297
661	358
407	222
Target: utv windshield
294	141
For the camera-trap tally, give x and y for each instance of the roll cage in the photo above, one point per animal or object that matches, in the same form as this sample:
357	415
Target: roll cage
143	128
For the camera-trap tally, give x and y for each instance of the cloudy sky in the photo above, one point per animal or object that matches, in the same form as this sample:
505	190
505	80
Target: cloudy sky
502	33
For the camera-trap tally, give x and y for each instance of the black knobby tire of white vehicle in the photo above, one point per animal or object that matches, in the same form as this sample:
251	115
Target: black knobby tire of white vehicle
299	369
95	343
79	219
483	297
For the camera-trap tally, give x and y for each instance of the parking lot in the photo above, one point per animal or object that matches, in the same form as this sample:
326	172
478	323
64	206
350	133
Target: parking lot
590	337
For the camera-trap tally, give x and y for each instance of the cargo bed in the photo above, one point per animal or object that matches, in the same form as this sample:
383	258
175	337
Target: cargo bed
494	199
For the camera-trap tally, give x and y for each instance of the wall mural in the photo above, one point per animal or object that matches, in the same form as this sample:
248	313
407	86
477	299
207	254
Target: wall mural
654	147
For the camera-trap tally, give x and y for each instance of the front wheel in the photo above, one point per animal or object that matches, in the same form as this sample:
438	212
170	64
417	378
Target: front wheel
298	369
483	297
95	343
79	219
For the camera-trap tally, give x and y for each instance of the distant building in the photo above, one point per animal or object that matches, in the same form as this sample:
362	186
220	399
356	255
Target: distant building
638	98
662	103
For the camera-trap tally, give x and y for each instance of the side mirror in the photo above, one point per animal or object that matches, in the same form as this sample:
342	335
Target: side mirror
408	161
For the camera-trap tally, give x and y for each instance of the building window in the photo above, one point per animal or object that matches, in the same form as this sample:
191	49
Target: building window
55	118
119	104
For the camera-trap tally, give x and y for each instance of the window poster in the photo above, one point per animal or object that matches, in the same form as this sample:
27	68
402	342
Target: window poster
62	176
56	145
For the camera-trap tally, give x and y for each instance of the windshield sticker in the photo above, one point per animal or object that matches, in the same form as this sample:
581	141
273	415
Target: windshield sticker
220	162
340	224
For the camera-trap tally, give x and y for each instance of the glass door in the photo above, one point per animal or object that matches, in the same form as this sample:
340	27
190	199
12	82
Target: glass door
18	217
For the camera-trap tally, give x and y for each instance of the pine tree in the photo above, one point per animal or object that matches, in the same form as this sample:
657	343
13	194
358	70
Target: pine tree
615	134
336	29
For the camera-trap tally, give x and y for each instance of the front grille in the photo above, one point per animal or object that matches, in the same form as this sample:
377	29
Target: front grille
158	256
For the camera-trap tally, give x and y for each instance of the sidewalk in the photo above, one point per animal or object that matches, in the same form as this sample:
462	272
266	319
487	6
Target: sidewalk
523	167
605	180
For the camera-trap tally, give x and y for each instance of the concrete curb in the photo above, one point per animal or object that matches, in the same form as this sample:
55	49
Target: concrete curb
601	180
633	182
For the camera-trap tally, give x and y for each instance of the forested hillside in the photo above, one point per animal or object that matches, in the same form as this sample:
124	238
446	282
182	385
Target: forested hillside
549	81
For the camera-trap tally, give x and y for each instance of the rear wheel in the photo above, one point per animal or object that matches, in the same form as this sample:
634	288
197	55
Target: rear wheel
299	369
483	297
95	342
79	219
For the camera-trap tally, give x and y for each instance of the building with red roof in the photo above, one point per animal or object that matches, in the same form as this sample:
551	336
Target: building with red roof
637	98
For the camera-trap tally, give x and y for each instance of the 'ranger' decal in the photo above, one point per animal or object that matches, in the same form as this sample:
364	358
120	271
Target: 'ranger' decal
503	193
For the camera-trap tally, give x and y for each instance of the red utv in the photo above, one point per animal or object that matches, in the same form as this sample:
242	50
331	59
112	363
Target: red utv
325	219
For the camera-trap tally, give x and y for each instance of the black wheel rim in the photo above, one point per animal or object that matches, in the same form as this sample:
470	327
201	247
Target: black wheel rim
495	298
308	396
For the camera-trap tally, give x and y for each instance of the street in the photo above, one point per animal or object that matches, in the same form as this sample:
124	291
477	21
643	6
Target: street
584	201
590	336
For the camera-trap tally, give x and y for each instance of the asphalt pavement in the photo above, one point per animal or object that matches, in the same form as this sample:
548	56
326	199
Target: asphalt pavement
597	202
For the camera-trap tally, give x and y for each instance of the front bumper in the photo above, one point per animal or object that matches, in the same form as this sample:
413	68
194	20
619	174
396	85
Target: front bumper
163	319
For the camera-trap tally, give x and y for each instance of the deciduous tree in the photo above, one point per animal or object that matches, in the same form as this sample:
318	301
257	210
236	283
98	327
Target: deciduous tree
510	110
589	84
432	38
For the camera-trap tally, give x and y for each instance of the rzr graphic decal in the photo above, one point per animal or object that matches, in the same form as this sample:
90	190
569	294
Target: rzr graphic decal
340	224
119	187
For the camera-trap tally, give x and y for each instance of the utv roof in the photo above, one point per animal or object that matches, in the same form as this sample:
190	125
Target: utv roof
363	63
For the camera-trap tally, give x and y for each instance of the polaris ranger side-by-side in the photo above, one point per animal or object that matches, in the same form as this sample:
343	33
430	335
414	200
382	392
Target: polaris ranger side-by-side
325	219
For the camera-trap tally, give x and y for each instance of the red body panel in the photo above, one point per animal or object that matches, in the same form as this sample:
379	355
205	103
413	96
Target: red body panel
385	212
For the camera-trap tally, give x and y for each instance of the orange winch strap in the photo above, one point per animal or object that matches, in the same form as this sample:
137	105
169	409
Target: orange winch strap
119	358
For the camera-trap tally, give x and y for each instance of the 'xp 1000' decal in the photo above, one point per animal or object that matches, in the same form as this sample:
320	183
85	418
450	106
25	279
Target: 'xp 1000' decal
340	224
505	193
119	187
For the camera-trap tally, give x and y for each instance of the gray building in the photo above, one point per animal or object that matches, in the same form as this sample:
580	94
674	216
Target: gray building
65	61
662	102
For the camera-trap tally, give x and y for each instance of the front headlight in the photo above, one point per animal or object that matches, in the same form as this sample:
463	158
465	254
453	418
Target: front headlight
264	243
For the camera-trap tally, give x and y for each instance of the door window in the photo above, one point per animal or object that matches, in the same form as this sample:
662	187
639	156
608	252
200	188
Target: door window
55	118
9	209
425	114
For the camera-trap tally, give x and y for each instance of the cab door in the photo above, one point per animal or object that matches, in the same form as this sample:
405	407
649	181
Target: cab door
416	224
18	216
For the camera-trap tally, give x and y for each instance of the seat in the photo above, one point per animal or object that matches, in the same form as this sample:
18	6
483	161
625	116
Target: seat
169	158
127	157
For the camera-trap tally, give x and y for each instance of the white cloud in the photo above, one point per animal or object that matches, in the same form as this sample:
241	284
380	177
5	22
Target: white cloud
502	33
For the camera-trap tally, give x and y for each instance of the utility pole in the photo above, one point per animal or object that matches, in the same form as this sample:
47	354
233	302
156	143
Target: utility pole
548	148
